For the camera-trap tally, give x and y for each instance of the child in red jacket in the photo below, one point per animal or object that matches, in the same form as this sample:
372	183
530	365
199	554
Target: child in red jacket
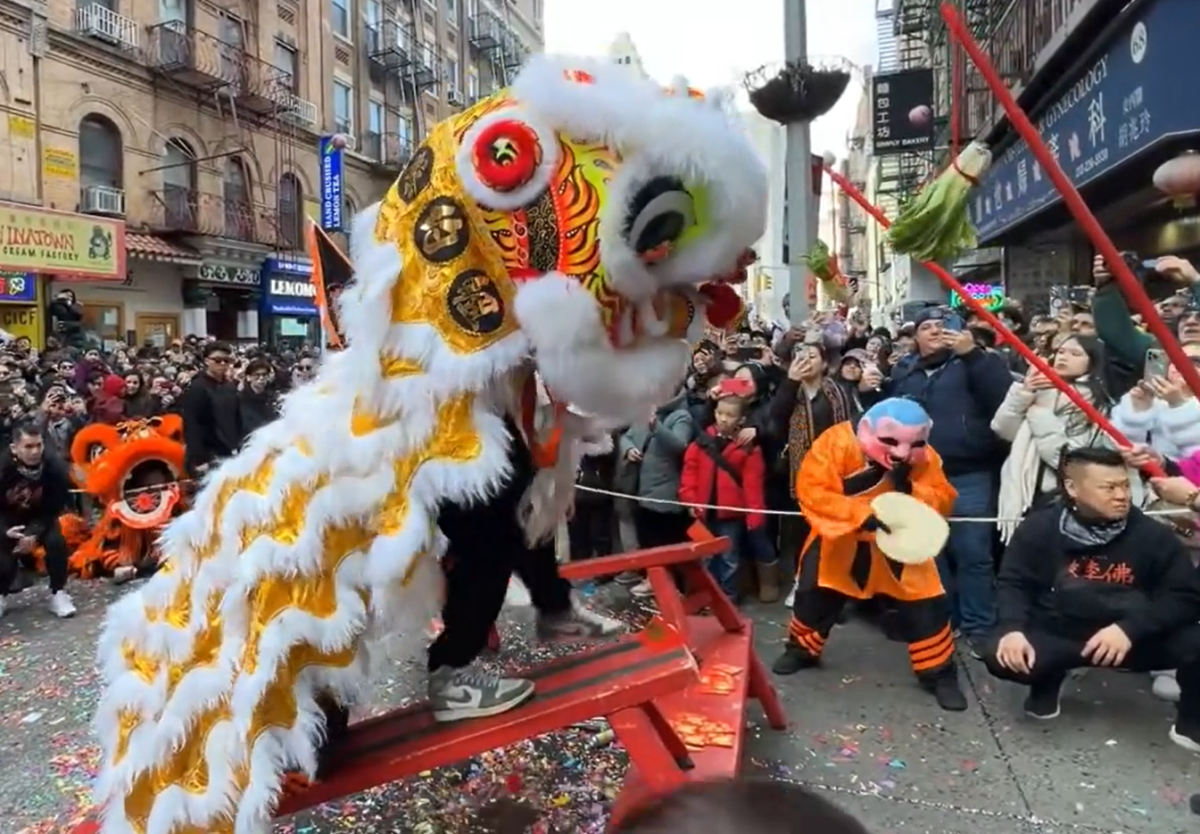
720	471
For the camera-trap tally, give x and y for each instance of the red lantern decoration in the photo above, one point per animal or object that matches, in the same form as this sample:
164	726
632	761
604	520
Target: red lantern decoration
1179	178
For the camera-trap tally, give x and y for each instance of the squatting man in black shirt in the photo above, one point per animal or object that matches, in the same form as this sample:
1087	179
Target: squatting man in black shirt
1096	582
33	493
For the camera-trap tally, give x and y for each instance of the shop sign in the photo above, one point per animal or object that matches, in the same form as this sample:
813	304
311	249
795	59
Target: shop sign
333	197
902	108
18	287
1125	102
990	296
39	240
22	320
287	296
242	276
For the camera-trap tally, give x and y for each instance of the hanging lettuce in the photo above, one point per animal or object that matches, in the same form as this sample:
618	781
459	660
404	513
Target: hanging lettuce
823	265
936	225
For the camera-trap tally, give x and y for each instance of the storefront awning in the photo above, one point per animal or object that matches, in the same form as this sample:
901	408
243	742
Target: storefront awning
155	248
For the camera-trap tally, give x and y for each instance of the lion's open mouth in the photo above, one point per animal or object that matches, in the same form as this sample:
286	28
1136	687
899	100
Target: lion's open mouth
149	495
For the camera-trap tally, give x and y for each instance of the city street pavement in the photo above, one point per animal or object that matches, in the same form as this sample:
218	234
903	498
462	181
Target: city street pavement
862	734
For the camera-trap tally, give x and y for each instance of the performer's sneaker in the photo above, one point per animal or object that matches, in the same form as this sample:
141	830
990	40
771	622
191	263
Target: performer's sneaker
948	693
1185	739
794	659
576	624
61	604
1043	700
456	694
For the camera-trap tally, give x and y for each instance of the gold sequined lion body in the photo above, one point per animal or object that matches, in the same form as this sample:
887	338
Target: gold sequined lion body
582	223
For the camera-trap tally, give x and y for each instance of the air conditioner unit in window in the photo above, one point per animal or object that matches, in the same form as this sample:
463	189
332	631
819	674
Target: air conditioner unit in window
351	139
102	199
454	97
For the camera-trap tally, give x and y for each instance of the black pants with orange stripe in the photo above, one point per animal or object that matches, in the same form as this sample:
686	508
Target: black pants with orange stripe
923	624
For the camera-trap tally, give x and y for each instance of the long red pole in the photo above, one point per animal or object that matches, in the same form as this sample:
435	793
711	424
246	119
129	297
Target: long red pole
1001	330
1130	287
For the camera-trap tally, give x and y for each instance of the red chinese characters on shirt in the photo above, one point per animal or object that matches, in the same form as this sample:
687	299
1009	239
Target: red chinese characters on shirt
1116	573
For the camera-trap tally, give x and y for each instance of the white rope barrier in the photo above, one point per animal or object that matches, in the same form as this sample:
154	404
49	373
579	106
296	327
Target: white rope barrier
796	513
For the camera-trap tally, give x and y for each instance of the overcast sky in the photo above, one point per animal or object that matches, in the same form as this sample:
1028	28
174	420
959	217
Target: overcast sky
714	42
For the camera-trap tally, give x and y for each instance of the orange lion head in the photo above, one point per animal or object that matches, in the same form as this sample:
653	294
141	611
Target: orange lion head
122	465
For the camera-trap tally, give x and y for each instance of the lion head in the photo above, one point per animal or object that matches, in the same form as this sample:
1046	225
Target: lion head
132	468
585	217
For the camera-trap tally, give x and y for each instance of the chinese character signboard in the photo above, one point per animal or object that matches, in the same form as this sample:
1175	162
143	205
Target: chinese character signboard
1125	102
902	112
333	197
77	245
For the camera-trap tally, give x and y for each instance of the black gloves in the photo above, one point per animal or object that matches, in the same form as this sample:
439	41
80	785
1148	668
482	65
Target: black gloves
874	525
902	477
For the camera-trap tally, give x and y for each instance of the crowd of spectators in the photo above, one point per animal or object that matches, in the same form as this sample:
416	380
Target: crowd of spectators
754	401
69	385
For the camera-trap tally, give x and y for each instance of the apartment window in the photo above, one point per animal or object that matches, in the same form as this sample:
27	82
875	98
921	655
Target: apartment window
452	74
537	13
375	118
343	108
287	62
374	12
374	33
405	131
101	154
472	87
452	12
339	17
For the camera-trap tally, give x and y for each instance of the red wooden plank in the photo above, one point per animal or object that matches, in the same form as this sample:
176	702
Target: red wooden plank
717	650
672	554
607	680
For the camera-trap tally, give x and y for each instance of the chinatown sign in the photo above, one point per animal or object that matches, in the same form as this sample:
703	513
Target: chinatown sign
55	242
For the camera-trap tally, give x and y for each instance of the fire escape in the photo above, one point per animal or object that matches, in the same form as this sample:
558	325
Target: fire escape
257	104
498	47
405	66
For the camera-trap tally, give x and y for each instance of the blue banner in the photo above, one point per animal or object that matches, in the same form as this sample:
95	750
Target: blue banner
1135	95
287	288
333	199
18	287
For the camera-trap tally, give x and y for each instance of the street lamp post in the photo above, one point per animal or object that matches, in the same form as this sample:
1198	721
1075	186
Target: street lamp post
801	219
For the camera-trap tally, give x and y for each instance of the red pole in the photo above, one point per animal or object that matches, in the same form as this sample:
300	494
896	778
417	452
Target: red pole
1134	294
978	309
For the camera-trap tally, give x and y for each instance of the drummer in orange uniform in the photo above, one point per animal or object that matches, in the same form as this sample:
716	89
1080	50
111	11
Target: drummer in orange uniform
876	498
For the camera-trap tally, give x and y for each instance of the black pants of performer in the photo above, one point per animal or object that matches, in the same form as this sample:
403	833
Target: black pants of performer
487	545
52	542
591	528
655	529
1055	656
924	624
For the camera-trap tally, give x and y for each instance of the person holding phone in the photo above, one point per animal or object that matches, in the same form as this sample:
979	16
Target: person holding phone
1160	410
961	386
1127	345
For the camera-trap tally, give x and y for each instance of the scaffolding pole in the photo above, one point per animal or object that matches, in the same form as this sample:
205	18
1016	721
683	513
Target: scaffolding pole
801	214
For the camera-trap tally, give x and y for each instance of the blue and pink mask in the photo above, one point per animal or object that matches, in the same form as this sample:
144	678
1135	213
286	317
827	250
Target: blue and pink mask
895	431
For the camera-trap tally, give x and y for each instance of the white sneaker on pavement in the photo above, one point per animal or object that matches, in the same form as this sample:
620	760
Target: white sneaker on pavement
61	604
1165	686
642	590
3	605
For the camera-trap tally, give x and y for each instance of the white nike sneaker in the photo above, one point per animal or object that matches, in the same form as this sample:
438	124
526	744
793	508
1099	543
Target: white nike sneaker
577	623
61	605
455	694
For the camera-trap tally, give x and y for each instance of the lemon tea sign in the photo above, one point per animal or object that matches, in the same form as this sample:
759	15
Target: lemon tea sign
38	240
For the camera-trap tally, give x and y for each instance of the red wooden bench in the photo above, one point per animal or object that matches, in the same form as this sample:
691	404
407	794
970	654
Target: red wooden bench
639	683
709	714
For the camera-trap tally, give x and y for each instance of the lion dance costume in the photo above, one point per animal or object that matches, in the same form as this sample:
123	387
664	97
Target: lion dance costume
131	469
849	465
581	223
